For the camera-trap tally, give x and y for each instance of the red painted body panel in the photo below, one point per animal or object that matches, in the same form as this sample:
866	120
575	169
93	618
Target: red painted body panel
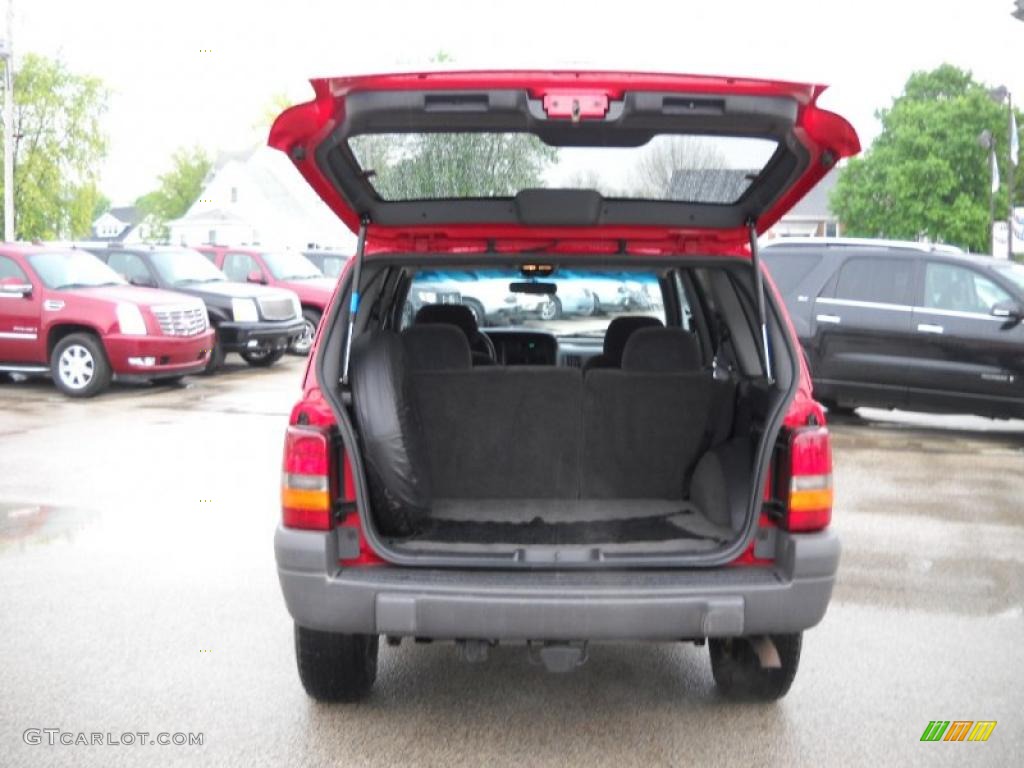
299	130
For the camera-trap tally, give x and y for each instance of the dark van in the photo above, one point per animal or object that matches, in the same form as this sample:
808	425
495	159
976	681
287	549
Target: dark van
905	325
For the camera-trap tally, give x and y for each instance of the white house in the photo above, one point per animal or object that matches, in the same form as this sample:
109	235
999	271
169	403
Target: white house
256	197
125	224
811	216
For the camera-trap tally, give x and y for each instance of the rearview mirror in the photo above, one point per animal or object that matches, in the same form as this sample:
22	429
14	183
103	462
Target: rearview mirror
13	286
1008	310
537	289
255	277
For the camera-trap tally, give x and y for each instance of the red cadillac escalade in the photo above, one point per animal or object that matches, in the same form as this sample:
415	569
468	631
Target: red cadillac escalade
68	314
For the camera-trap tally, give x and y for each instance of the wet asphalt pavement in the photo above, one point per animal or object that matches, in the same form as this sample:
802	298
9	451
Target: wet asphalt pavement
138	593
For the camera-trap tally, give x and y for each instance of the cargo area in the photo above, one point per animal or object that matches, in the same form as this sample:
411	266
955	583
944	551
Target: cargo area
651	453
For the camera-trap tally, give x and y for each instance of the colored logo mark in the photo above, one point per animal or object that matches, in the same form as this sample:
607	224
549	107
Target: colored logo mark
958	730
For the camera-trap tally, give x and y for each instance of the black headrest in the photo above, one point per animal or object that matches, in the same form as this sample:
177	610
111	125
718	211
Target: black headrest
618	333
436	347
452	314
662	350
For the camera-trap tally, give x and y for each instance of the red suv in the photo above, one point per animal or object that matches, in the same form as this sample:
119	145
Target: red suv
284	269
68	314
656	473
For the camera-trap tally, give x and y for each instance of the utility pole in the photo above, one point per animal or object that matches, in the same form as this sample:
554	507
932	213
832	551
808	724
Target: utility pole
8	56
1011	127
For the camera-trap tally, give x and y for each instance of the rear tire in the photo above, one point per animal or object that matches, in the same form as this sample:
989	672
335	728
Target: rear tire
738	672
336	667
79	365
263	359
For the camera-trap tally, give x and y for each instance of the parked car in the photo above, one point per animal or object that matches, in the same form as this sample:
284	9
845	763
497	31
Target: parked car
906	325
487	297
679	492
257	322
65	313
281	269
331	263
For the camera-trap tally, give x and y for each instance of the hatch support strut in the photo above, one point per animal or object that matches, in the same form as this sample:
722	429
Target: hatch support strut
353	306
759	290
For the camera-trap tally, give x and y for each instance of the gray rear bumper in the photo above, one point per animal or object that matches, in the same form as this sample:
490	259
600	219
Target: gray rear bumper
790	596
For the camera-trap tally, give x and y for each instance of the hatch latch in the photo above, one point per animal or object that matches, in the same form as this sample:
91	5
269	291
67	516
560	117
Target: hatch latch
575	105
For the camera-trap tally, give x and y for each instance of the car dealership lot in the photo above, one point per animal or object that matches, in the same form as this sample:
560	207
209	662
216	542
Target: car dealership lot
139	594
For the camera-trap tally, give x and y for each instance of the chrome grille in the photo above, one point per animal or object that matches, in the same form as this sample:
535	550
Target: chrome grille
181	321
277	308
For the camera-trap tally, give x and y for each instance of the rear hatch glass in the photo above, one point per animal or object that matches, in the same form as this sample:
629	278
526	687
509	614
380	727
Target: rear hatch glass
448	166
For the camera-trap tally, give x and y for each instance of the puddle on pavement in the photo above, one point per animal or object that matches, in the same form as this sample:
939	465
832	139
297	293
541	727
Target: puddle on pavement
25	525
951	586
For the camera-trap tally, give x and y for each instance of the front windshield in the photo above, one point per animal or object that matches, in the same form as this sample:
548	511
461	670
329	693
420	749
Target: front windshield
183	267
290	266
1015	272
73	269
584	303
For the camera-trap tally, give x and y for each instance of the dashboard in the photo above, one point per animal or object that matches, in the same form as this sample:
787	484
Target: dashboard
519	347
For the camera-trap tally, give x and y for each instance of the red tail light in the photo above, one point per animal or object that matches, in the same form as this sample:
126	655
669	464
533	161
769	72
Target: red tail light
306	480
809	503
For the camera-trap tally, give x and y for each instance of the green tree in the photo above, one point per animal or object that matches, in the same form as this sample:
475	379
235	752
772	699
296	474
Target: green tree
926	174
178	189
440	165
58	147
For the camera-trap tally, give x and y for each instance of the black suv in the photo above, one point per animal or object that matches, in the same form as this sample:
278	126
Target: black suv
905	325
256	321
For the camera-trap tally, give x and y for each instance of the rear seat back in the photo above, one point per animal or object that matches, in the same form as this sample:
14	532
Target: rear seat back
494	432
546	432
644	426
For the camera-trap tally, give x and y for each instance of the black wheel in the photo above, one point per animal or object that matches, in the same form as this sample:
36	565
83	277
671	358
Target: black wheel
79	365
478	311
262	358
551	309
302	345
336	667
739	673
216	359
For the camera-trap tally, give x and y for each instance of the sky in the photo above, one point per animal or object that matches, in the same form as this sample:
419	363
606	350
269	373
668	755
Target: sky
205	71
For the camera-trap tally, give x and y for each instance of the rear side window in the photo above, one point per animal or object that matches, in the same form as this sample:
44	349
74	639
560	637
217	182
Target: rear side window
789	269
879	280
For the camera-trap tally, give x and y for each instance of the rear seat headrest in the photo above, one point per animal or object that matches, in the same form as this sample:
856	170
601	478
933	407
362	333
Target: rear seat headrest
618	332
453	314
662	350
436	347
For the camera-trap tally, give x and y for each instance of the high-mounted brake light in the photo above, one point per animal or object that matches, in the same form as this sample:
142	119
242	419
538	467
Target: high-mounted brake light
809	506
306	480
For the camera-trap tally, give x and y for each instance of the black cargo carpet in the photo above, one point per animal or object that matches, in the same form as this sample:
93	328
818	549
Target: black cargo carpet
538	532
